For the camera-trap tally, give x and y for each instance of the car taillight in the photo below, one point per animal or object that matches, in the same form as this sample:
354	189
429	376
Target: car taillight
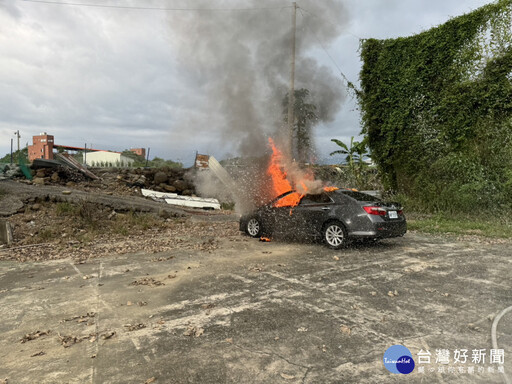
375	211
401	212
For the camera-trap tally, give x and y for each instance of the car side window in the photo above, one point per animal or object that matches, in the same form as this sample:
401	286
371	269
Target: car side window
321	198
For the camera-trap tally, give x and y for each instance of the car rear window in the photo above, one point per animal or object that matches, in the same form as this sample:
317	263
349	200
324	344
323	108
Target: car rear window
359	196
321	198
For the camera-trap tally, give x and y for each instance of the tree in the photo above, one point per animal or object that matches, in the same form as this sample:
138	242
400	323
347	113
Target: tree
355	154
157	162
16	155
305	118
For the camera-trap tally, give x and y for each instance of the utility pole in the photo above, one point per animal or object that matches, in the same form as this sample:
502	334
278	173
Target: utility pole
11	151
17	133
291	93
147	158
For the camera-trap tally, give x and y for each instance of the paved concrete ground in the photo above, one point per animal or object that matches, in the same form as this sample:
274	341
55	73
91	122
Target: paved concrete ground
256	312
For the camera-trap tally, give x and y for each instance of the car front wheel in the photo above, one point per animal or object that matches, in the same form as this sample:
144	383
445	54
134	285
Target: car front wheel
335	235
253	227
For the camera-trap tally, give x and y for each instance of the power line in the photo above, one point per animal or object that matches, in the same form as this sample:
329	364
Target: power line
350	84
154	8
330	22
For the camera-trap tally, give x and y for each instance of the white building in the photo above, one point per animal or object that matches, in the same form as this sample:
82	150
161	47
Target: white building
107	159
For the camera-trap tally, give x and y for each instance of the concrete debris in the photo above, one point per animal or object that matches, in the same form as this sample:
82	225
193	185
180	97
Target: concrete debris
150	380
10	172
222	174
45	163
287	377
61	174
10	205
194	202
72	163
156	195
5	232
184	201
41	353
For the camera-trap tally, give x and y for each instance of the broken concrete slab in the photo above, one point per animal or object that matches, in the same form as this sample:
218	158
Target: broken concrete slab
222	175
5	232
12	170
55	193
194	202
10	205
71	162
182	201
158	196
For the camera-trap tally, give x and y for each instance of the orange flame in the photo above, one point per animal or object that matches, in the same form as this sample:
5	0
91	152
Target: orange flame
291	200
281	184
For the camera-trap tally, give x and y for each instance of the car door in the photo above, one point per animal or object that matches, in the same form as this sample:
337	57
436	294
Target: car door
278	217
312	212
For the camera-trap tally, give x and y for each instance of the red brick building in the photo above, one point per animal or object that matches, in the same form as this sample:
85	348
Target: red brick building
139	151
42	147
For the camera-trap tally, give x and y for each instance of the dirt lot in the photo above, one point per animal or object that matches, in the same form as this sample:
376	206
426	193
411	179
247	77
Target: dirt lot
243	311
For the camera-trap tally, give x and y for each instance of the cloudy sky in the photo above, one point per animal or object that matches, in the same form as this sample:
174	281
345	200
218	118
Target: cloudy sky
191	75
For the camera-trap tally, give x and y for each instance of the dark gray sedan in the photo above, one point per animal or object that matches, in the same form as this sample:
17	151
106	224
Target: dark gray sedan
335	217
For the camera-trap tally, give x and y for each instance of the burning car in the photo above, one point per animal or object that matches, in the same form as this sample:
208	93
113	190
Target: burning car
334	215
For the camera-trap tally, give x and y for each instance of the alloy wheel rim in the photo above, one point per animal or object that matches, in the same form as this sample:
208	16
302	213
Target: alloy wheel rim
253	227
334	235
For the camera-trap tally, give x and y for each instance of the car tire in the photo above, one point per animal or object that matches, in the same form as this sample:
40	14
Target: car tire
253	227
335	235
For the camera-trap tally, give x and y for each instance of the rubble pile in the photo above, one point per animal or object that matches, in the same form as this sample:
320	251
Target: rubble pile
123	181
10	171
59	175
165	179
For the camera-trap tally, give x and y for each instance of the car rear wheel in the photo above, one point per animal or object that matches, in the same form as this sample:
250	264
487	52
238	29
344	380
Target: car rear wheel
335	235
253	227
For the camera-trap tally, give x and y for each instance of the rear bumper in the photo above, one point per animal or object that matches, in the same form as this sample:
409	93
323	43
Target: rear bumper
382	230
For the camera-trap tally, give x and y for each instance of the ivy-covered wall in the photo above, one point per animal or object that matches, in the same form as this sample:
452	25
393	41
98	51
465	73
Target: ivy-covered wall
437	110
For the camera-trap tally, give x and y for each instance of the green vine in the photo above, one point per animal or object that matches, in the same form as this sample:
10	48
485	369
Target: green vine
437	110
